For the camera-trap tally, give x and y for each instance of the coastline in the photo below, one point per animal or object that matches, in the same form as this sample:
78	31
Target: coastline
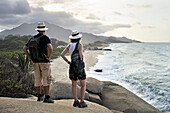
60	73
59	68
106	95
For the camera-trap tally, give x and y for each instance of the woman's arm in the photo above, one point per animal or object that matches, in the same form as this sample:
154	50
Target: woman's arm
63	54
80	48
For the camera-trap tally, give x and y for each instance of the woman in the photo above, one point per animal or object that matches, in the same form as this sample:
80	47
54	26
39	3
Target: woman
74	46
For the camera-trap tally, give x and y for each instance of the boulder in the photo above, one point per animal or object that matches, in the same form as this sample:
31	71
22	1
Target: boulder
16	105
114	111
108	83
98	70
63	90
107	49
94	86
119	98
131	111
94	98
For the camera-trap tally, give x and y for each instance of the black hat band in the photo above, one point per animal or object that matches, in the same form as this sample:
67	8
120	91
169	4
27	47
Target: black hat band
40	26
75	34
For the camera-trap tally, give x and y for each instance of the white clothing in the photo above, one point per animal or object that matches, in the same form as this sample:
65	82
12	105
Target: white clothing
72	47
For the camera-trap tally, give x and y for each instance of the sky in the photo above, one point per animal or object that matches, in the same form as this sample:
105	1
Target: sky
142	20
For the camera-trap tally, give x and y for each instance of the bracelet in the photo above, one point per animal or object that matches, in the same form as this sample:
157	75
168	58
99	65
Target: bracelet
68	61
47	58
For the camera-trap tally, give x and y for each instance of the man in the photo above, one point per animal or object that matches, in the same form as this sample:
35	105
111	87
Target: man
42	70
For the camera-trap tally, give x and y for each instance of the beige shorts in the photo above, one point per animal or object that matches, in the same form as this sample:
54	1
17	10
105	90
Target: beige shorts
42	74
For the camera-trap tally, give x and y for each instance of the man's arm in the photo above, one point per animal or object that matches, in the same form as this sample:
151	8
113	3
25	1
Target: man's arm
50	50
25	48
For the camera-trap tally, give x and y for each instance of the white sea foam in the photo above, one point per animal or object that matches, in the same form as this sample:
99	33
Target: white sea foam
142	68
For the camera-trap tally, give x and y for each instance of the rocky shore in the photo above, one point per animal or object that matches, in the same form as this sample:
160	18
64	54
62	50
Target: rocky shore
101	96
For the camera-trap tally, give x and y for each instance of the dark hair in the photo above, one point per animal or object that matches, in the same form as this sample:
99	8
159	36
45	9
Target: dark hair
75	40
40	31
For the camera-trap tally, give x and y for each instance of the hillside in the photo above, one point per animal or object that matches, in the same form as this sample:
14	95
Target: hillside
62	34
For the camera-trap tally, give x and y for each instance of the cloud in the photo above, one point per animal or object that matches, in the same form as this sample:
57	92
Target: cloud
117	13
13	11
148	27
67	20
18	7
63	19
92	17
37	3
139	6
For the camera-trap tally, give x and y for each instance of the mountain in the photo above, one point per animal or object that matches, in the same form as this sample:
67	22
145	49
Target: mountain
62	34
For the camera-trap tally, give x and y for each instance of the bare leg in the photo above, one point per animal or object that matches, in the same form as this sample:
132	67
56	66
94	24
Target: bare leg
74	89
82	90
38	89
46	90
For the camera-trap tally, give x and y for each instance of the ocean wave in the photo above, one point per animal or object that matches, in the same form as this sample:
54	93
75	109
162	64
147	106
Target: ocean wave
145	71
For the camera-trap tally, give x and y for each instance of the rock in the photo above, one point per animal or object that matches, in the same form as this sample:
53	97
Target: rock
94	98
119	98
131	111
107	49
108	83
114	111
32	97
94	86
98	70
95	48
63	90
13	105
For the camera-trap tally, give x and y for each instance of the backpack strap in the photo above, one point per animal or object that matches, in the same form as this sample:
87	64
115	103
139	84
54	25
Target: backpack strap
75	50
76	45
38	37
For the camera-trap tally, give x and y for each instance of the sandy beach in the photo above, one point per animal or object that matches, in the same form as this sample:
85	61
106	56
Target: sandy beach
60	68
101	96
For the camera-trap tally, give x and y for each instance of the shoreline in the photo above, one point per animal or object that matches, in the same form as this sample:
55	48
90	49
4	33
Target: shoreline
59	68
108	94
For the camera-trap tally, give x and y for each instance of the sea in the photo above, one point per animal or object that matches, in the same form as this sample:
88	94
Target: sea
142	68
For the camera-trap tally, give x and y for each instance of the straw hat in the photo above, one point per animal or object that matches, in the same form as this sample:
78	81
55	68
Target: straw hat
41	26
75	35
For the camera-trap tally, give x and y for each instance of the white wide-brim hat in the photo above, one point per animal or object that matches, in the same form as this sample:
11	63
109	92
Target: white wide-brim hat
41	27
75	35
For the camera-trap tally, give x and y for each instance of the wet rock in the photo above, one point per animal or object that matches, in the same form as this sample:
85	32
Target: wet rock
98	70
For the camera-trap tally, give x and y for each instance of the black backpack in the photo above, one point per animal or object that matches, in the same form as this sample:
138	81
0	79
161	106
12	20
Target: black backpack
34	49
77	63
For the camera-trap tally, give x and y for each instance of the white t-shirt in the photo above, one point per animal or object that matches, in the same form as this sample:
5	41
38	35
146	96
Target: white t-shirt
72	47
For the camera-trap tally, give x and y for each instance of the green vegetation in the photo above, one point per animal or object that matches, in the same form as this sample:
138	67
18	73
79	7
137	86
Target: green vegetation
16	77
57	52
94	46
12	88
11	43
23	61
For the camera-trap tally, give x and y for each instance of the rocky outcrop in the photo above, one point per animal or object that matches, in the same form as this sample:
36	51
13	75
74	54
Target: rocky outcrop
109	94
62	90
15	105
95	98
94	86
118	98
